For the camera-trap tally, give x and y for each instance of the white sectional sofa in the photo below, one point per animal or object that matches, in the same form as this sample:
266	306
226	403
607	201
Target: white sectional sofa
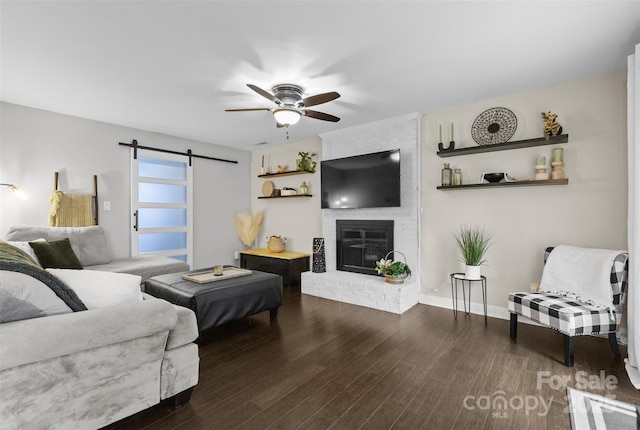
88	369
69	364
90	245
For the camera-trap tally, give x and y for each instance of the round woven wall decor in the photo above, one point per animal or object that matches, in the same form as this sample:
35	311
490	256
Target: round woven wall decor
495	125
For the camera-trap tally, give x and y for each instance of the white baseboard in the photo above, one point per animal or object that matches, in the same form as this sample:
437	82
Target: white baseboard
476	308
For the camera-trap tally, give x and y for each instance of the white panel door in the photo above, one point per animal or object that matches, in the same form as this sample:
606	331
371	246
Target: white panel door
161	202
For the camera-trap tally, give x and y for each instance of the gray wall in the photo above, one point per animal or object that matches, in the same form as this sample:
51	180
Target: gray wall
35	143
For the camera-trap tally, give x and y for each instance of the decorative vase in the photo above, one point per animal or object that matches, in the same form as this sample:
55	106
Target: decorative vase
319	263
472	272
395	281
446	175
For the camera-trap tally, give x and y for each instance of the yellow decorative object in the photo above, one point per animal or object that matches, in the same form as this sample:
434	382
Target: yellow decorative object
71	210
282	168
267	188
247	226
550	126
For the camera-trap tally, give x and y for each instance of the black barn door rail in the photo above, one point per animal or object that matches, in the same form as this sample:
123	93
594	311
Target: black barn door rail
135	146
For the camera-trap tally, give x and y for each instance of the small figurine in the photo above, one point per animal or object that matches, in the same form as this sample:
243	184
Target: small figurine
550	126
282	168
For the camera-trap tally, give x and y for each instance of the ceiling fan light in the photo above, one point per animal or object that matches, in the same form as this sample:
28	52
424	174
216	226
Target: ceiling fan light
286	116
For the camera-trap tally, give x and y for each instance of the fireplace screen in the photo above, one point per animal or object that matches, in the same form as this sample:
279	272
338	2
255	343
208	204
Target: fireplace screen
360	243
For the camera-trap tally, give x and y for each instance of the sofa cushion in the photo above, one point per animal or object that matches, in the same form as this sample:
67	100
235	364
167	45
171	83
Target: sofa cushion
39	339
9	252
25	247
57	254
89	243
99	289
14	260
145	266
186	329
23	297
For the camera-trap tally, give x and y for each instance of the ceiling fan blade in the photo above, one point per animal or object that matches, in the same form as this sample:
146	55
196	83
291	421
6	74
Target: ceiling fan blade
320	115
267	95
245	110
318	99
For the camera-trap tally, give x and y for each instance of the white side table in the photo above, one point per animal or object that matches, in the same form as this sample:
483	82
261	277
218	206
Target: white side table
457	278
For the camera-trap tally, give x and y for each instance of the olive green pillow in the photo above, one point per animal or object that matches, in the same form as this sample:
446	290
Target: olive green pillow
56	254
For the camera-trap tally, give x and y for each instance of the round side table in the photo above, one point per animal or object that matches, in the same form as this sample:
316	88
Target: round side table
458	278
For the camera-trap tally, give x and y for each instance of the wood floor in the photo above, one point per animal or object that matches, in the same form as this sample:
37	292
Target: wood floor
328	365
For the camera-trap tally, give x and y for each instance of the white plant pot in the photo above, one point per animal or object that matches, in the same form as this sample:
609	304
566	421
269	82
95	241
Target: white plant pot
472	272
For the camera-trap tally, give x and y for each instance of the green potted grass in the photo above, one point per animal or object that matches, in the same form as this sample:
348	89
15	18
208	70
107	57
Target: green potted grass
473	243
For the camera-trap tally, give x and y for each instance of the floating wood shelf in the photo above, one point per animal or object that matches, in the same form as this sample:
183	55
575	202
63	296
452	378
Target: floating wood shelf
528	143
564	181
284	197
289	173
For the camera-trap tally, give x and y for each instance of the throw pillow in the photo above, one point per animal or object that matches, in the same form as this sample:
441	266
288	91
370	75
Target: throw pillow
56	254
15	309
25	247
10	253
23	297
99	289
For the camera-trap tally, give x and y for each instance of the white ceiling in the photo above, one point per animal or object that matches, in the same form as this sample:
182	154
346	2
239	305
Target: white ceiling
174	66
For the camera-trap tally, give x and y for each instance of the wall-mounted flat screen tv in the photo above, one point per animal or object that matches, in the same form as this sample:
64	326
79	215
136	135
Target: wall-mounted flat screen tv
363	181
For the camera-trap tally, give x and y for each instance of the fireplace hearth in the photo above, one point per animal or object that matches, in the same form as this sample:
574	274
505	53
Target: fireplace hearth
360	243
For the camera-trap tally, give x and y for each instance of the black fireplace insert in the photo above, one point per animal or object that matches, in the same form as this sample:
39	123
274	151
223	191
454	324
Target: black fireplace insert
360	243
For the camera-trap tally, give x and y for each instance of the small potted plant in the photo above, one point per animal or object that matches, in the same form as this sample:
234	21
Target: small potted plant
306	164
395	272
473	242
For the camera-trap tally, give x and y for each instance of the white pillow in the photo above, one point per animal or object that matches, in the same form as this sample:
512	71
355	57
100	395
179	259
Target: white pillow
27	290
99	289
24	246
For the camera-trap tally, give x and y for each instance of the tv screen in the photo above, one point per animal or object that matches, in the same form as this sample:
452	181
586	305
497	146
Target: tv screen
362	181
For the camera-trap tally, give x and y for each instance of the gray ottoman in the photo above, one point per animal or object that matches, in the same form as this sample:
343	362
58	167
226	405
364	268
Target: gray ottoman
223	301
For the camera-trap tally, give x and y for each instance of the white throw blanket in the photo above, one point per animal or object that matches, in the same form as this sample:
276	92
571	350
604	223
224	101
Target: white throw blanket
583	274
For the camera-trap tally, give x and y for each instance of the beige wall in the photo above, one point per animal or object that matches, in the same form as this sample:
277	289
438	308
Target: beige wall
590	211
298	219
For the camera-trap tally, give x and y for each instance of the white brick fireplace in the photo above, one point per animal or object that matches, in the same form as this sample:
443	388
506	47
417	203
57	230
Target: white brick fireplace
366	290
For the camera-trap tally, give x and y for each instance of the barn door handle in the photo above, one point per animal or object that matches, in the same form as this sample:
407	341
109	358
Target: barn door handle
135	225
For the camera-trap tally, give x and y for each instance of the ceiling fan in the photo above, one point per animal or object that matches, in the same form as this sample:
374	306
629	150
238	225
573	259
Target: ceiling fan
290	106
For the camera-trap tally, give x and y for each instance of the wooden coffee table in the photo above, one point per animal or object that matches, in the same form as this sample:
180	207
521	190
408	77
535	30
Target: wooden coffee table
222	301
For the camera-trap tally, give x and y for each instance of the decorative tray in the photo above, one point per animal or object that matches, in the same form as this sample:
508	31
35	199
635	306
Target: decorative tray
208	276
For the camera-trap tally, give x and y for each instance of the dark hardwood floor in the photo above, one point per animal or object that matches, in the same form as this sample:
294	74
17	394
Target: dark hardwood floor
328	365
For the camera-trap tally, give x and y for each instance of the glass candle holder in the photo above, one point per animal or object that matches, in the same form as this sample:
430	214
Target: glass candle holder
558	154
446	175
457	177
